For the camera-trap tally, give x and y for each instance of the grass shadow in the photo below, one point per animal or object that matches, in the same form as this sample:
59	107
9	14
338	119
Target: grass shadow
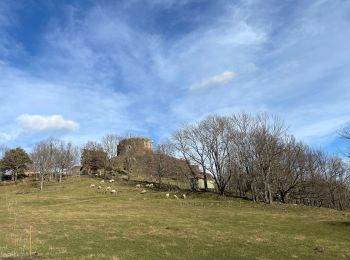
339	223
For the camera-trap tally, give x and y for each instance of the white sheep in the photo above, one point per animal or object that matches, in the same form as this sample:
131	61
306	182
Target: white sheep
92	186
143	191
167	195
112	180
184	196
102	181
150	185
138	186
108	188
99	187
113	191
176	197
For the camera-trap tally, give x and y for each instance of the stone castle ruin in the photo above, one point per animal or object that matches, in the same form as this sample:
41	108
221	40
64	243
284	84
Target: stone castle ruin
136	146
140	150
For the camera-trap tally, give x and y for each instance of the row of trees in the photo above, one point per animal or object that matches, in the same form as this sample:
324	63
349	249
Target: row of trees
250	156
255	157
50	159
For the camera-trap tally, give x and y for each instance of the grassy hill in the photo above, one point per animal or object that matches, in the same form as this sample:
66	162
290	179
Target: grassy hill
73	221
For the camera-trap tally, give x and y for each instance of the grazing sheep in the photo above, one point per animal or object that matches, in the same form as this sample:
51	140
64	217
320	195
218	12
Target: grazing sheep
102	181
92	186
176	197
150	185
112	180
147	185
184	196
108	188
143	191
167	195
99	187
113	191
138	186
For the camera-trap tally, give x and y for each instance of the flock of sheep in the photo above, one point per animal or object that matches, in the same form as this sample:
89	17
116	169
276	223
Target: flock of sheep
107	189
139	186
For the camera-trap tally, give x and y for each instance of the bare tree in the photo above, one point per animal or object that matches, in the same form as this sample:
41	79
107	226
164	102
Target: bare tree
43	159
335	175
110	146
219	136
290	167
180	144
191	140
66	157
268	145
243	151
162	161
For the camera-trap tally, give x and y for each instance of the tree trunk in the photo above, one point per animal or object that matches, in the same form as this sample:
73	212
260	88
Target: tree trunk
42	182
283	197
266	195
160	181
205	181
222	189
252	190
270	194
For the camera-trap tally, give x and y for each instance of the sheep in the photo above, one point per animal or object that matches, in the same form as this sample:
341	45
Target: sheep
99	187
150	185
92	186
112	180
176	197
113	191
102	181
143	191
184	196
167	195
138	186
108	188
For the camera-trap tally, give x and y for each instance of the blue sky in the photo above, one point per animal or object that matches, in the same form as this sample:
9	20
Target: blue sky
79	69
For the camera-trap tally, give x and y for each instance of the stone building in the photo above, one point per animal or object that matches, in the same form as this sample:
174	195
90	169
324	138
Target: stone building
136	146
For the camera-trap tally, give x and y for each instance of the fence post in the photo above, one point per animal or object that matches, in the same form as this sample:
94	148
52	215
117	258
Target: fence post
30	241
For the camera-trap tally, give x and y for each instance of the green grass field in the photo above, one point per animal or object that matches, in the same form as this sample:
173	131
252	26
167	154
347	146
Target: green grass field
72	221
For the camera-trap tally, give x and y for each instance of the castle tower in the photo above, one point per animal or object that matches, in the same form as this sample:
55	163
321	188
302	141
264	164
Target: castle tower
134	146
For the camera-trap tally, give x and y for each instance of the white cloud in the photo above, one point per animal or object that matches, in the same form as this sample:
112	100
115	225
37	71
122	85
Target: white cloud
42	123
218	79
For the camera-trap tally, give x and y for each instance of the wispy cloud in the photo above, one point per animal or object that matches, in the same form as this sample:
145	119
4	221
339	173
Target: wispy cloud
128	66
219	79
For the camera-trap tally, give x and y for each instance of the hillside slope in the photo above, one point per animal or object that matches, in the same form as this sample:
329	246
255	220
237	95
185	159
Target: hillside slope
73	221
